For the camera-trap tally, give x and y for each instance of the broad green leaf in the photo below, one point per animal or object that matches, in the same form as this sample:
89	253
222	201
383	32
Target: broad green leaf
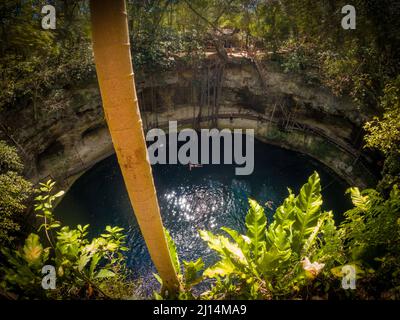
223	246
279	238
311	239
308	211
256	223
32	249
271	260
220	269
83	261
191	271
93	263
242	241
358	199
285	214
173	252
104	273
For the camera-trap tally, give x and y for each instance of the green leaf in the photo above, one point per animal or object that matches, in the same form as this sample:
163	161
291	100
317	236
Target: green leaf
93	264
256	223
54	225
104	273
33	249
358	199
59	194
308	211
158	278
285	214
279	250
242	241
191	271
313	236
222	268
225	248
83	261
173	252
272	260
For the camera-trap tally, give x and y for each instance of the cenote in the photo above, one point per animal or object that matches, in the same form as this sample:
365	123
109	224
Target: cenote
201	198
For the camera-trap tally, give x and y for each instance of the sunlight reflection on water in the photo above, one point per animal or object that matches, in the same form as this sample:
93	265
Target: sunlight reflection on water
190	200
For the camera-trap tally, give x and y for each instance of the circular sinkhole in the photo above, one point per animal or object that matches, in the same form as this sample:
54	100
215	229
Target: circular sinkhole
190	200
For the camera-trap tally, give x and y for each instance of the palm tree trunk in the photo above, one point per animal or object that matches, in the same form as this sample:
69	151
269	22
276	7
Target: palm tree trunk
117	86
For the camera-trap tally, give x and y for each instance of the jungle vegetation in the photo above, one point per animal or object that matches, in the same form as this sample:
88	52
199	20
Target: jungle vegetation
299	254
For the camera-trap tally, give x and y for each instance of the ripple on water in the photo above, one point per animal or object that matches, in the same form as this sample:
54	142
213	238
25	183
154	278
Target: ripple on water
204	198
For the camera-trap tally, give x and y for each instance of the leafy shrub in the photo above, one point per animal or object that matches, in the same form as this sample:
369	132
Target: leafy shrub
274	261
84	268
371	233
300	254
383	134
295	62
160	53
14	191
188	278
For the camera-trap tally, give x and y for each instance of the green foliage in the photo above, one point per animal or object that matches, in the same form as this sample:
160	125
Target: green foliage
256	223
34	61
297	57
309	39
274	261
192	271
384	134
85	268
14	191
270	260
23	270
9	159
371	233
161	52
173	252
190	276
301	252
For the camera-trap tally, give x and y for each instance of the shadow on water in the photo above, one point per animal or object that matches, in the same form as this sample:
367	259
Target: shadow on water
202	198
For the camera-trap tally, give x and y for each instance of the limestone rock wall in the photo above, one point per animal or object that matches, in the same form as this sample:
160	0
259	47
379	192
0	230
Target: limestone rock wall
62	143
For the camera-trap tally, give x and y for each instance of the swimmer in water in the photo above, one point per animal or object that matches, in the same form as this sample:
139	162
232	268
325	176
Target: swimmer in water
191	165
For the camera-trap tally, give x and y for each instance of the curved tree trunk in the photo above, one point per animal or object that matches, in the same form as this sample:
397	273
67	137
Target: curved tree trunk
116	80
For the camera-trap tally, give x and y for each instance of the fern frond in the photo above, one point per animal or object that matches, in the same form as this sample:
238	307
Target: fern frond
256	224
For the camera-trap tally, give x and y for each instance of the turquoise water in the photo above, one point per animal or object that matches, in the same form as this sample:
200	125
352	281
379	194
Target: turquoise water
202	198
